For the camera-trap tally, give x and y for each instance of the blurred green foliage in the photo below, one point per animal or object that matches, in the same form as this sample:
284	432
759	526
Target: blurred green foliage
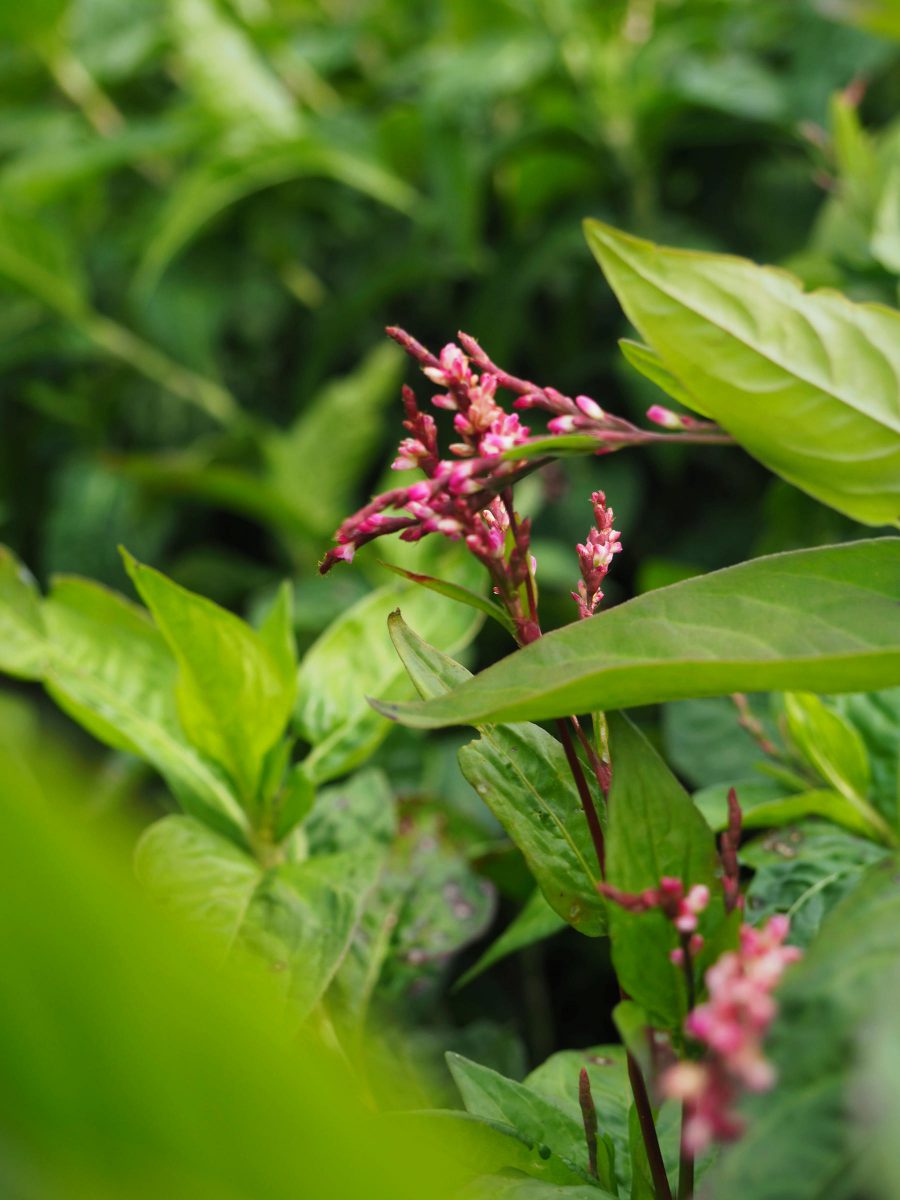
209	209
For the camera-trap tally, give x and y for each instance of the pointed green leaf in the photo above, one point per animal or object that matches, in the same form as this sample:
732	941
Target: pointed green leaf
353	659
491	1096
23	647
645	360
453	591
194	870
808	383
654	830
522	775
109	669
234	695
824	620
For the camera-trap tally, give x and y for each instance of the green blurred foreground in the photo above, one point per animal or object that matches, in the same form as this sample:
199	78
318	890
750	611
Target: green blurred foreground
133	1068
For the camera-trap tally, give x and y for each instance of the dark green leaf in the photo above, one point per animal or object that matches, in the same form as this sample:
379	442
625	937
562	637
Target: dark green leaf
535	923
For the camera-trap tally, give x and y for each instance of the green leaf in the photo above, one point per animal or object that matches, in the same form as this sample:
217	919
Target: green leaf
535	923
645	360
454	592
823	619
805	382
654	831
876	717
37	258
229	78
705	744
22	636
353	660
276	630
109	669
302	919
522	775
492	1097
805	871
234	695
198	872
765	806
195	1088
480	1146
499	1187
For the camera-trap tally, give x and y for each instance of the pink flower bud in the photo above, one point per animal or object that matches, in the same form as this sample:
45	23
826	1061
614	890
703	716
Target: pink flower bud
665	417
590	408
562	425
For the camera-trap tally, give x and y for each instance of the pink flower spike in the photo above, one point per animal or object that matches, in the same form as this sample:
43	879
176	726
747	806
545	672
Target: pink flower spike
664	417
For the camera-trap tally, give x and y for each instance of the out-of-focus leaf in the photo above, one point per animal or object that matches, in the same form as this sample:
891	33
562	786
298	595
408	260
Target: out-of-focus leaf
764	805
535	923
228	76
798	1142
807	383
316	464
823	619
206	190
36	257
195	1088
22	634
705	743
234	694
804	871
876	717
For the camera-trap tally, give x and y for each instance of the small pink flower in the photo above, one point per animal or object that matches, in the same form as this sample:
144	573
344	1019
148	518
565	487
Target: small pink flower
660	415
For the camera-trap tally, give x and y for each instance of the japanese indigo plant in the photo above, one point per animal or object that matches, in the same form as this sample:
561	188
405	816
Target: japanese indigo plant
469	496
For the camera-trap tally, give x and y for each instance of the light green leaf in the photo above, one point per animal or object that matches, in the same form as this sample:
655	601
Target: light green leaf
228	76
480	1146
110	670
764	805
234	695
277	629
454	592
645	360
823	619
806	382
23	648
654	831
521	773
876	717
831	745
302	919
354	659
535	923
196	871
492	1097
196	1089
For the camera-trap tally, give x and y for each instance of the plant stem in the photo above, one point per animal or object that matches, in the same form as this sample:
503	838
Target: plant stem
685	1165
648	1130
584	793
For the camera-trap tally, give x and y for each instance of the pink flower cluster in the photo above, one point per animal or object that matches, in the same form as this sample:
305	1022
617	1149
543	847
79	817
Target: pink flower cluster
595	556
732	1025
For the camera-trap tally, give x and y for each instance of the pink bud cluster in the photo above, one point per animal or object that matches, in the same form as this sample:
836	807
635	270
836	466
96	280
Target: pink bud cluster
683	908
732	1026
595	557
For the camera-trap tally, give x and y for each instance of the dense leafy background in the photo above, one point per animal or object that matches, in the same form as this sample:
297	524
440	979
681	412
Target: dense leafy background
208	211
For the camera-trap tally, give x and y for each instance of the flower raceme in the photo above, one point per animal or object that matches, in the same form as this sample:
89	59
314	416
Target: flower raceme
731	1026
458	490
